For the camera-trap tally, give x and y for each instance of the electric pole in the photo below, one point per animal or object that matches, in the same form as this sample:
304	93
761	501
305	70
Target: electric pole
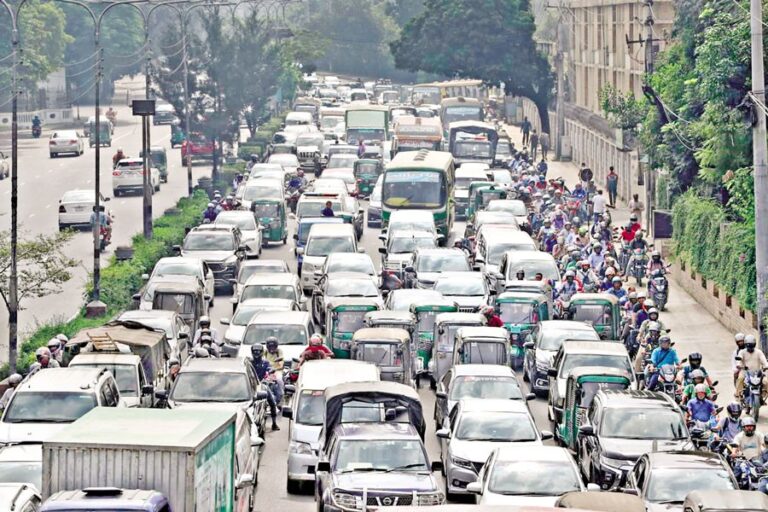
560	106
760	164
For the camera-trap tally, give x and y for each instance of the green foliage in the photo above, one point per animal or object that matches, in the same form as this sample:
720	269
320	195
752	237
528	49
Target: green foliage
623	110
741	191
724	255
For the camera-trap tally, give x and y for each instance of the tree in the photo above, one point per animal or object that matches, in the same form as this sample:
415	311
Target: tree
42	268
500	49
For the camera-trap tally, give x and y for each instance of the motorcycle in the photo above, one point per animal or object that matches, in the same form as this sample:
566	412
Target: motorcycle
293	198
701	433
747	473
753	391
657	290
112	116
667	382
639	261
624	255
37	130
104	238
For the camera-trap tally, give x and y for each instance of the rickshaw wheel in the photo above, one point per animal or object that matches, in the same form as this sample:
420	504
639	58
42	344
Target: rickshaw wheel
285	239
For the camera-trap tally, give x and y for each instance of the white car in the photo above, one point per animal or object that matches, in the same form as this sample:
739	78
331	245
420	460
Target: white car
128	175
250	230
76	207
288	161
65	141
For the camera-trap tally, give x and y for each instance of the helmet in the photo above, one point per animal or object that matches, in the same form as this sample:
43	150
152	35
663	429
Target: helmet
584	263
739	336
271	342
257	350
62	337
230	197
201	352
547	221
570	273
597	245
628	226
558	192
211	205
665	339
15	379
54	344
583	230
734	410
520	273
695	358
654	326
633	217
700	388
639	235
616	279
542	179
610	272
316	339
42	352
487	310
750	342
656	255
749	425
576	221
653	311
632	295
173	362
697	374
205	320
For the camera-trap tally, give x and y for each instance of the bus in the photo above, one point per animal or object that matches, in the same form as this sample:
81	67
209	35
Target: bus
370	123
460	109
420	180
415	133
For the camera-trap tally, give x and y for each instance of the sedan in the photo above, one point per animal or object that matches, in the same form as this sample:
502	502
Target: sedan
128	176
76	207
430	263
402	245
467	289
288	161
250	230
347	176
484	217
243	314
65	141
252	267
341	284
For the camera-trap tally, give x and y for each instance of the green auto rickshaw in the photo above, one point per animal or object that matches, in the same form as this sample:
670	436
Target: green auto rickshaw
521	312
177	135
487	194
389	349
105	133
367	171
482	345
474	188
601	310
426	312
158	158
582	385
271	216
446	326
343	317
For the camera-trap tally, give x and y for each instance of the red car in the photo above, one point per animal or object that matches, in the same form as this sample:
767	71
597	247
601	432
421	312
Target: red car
197	146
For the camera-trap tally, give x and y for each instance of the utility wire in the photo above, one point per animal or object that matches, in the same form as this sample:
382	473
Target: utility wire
89	89
746	11
84	60
129	55
84	71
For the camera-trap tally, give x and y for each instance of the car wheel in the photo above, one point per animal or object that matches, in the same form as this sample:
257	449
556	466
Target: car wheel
293	486
53	155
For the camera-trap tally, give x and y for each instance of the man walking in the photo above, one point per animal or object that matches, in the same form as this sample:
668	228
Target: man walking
544	142
612	184
636	206
526	129
598	206
534	144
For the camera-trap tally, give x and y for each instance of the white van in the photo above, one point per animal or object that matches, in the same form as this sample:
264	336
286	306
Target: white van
298	118
307	410
323	239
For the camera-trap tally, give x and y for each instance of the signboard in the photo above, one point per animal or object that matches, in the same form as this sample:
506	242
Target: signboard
214	478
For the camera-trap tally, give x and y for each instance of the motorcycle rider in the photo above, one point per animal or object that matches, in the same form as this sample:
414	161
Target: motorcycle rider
699	408
697	377
617	289
13	381
647	344
37	125
655	263
44	360
274	356
492	319
597	257
237	181
263	371
105	222
204	327
315	350
684	377
586	275
56	348
253	161
635	225
738	338
627	235
297	182
752	359
661	355
117	157
568	286
207	342
729	426
210	213
749	441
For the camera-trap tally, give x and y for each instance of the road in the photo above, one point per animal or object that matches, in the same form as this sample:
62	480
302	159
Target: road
42	182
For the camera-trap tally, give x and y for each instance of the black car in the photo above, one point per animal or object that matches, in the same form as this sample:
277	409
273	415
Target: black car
620	426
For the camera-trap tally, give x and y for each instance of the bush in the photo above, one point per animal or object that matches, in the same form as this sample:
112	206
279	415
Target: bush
722	252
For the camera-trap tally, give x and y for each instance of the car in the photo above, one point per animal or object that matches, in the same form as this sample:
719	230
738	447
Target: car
348	262
527	475
250	230
128	176
347	176
169	287
164	114
264	170
23	497
483	218
492	241
106	498
186	266
530	262
401	247
374	204
475	381
49	399
402	474
288	161
218	383
196	146
252	267
22	463
270	286
573	354
341	161
323	239
128	370
244	312
464	176
408	220
329	186
65	141
341	284
664	479
474	428
468	290
311	204
541	349
428	264
309	148
514	206
219	247
291	328
76	207
501	177
620	426
176	331
401	300
262	188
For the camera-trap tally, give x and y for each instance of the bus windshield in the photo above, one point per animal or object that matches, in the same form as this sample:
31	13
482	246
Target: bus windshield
414	189
462	113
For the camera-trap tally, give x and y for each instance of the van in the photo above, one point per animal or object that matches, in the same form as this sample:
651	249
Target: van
324	239
298	118
409	220
291	328
492	241
530	262
306	411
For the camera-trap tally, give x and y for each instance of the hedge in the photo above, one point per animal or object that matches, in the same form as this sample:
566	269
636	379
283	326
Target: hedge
721	252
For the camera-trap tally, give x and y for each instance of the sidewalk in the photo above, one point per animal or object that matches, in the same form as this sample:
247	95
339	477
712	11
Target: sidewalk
693	329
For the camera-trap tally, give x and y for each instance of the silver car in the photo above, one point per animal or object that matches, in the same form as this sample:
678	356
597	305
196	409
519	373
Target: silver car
65	141
250	230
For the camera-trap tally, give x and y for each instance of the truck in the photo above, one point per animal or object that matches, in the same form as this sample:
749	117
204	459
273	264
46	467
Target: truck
370	123
187	456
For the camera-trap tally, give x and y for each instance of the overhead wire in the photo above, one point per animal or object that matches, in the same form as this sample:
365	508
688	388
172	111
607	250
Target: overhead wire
86	91
84	71
94	54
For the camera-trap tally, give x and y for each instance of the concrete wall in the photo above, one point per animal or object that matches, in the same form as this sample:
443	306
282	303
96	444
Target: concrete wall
50	117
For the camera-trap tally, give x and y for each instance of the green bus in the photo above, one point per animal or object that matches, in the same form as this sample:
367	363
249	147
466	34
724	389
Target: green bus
420	180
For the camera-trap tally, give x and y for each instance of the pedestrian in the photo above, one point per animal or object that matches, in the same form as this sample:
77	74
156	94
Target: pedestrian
526	129
544	143
360	148
636	206
534	144
598	205
612	184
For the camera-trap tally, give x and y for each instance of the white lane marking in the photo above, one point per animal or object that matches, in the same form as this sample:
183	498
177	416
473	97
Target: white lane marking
31	215
48	206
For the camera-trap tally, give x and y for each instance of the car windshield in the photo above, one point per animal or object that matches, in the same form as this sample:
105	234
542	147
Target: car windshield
418	189
244	222
546	268
262	191
533	479
448	262
490	386
463	183
380	455
402	224
672	485
349	321
611	361
461	287
351	288
517	312
497	250
587	390
315	208
125	374
517	208
22	471
361	265
48	407
495	218
406	244
426	321
268	291
311	408
462	113
266	210
286	334
380	354
553	339
181	303
502	177
309	140
594	314
323	246
472	148
251	270
643	423
495	426
176	268
502	149
340	160
483	352
209	241
211	387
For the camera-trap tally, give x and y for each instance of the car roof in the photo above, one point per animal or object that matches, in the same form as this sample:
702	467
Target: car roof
594	347
634	398
61	379
471	171
495	370
320	374
331	230
483	332
89	358
353	256
520	452
264	263
409	214
31	452
321	220
728	500
276	278
280	318
376	431
209	365
565	325
473	405
139	314
503	233
180	259
692	459
357	276
461	276
408	233
430	251
529	256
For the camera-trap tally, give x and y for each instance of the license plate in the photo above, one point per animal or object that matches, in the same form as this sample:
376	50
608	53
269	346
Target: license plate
79	208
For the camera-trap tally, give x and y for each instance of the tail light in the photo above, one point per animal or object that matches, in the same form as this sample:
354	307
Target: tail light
52	143
116	173
62	209
73	142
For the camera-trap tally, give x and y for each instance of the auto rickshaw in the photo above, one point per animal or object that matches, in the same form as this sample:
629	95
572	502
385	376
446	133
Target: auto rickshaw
271	215
177	135
426	312
446	326
158	158
343	317
531	286
601	310
389	349
487	194
521	312
392	319
367	171
474	187
105	133
582	385
481	345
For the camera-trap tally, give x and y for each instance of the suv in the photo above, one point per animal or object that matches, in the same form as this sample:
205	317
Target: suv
323	239
135	389
49	399
620	426
384	463
220	247
196	146
128	176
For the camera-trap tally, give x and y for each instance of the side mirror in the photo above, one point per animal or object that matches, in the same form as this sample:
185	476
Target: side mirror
323	467
257	441
145	277
593	487
244	481
296	237
529	345
586	430
287	413
183	335
207	297
552	372
546	434
261	395
290	388
299	251
383	250
474	488
442	395
383	237
136	297
224	321
409	269
147	389
530	396
443	433
161	394
440	237
232	281
177	248
436	466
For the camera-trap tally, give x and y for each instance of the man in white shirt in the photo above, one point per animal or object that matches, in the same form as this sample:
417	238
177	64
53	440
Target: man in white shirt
598	205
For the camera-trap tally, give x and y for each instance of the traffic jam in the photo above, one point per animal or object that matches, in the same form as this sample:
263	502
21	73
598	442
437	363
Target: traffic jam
398	288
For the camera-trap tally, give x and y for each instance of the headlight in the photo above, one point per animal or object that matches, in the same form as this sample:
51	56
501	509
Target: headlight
345	500
300	448
427	500
230	262
542	366
462	463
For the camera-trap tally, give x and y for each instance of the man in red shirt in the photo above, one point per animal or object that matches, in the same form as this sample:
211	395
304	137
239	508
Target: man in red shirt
635	225
493	320
315	350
